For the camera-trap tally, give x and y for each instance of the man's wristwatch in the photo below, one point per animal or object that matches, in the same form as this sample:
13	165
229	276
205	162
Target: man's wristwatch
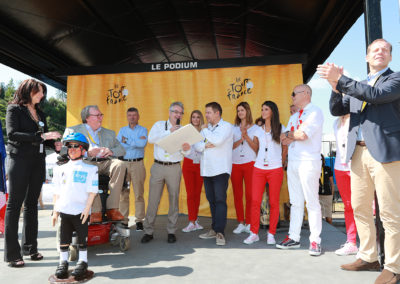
286	134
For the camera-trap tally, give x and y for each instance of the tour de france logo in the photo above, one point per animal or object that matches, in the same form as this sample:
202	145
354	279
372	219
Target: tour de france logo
240	88
116	95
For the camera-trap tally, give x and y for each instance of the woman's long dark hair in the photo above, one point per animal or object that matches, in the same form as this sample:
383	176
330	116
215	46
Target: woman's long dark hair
276	126
22	95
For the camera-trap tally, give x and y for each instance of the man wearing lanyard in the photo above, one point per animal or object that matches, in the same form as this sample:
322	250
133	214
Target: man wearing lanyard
165	170
304	135
104	149
216	167
134	138
374	149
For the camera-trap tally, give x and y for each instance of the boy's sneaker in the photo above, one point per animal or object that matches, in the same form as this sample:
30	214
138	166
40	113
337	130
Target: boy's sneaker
315	249
271	239
139	226
209	235
347	249
189	228
288	243
220	240
80	269
62	270
251	239
198	226
240	229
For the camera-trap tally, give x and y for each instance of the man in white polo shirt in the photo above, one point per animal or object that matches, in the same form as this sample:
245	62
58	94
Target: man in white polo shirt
304	135
216	167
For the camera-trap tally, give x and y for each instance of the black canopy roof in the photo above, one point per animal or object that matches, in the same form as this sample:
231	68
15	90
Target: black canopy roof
46	38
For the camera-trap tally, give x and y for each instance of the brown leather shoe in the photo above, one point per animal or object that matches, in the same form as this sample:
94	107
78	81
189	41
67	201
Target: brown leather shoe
95	217
361	265
387	277
114	215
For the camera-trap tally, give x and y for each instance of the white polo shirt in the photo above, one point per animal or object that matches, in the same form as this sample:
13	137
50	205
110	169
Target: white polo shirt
310	121
194	156
217	160
160	130
269	154
243	153
73	182
341	145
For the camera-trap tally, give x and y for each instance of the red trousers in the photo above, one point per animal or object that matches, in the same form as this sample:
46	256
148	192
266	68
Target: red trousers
193	184
274	179
240	172
343	184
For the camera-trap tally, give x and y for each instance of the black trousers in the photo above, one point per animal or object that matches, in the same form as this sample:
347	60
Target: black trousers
216	188
26	176
71	223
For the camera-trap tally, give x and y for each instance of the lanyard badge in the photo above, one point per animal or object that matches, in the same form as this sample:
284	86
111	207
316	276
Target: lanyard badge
266	157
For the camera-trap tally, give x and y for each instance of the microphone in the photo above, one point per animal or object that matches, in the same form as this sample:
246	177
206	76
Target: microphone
178	121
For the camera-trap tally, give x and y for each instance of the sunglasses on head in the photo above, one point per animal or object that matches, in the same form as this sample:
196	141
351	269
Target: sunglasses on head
74	146
294	94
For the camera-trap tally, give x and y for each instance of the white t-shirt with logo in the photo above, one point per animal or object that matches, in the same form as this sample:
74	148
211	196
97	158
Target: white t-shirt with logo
243	153
269	154
73	182
310	121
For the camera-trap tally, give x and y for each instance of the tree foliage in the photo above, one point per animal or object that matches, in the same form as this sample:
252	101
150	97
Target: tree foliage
55	108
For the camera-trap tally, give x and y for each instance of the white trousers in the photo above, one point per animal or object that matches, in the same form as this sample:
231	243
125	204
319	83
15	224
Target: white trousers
303	183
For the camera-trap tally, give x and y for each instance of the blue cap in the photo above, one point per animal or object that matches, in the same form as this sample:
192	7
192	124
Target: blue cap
77	138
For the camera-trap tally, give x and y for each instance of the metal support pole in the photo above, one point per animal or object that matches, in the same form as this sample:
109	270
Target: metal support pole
373	31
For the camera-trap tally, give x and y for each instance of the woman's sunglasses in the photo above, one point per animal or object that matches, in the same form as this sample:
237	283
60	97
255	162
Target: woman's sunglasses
74	146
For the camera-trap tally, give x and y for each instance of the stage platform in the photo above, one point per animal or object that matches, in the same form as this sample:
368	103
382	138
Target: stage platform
193	260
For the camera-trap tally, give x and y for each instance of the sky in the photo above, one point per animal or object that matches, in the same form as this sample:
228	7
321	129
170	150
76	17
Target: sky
350	53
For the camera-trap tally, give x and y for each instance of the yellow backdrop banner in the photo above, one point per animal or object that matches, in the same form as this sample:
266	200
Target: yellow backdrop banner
153	92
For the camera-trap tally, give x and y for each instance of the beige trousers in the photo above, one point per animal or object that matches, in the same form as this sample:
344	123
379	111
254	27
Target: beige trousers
116	170
368	176
136	175
160	175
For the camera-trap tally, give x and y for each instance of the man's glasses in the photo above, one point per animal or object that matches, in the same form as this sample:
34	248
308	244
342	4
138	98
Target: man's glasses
177	112
294	94
98	115
73	146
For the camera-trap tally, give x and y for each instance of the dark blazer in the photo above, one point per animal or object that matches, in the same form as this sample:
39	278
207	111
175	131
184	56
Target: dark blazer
23	132
380	120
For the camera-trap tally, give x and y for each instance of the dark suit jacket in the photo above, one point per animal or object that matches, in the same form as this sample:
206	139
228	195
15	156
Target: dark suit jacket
23	132
380	120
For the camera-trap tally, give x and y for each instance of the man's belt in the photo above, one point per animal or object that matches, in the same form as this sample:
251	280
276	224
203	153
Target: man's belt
95	159
360	143
165	163
131	160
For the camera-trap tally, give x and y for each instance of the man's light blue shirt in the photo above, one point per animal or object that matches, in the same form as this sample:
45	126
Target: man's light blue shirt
131	141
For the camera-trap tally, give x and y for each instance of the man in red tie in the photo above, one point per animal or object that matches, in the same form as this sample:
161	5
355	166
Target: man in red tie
304	135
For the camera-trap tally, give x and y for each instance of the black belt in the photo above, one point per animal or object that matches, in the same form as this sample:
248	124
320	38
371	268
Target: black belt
131	160
95	159
165	163
360	143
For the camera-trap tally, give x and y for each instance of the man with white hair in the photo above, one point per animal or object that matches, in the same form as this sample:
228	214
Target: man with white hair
304	135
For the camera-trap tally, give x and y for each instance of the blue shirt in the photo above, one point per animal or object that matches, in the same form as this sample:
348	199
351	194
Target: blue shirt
131	141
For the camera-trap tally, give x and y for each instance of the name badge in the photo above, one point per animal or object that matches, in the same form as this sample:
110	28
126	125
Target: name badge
41	148
266	158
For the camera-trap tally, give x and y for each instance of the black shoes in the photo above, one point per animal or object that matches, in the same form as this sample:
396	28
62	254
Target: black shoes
171	238
146	238
62	270
80	269
139	226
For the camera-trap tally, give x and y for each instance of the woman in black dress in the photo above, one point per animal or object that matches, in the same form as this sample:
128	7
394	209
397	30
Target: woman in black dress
27	135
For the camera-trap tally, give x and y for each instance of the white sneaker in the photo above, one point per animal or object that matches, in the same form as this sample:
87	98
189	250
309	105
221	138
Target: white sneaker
247	230
239	229
251	239
189	228
271	239
198	226
347	249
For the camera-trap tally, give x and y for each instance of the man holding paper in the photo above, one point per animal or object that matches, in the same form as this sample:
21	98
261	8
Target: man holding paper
165	170
216	167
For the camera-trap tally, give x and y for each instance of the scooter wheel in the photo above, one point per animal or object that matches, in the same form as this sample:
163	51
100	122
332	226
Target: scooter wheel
124	244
